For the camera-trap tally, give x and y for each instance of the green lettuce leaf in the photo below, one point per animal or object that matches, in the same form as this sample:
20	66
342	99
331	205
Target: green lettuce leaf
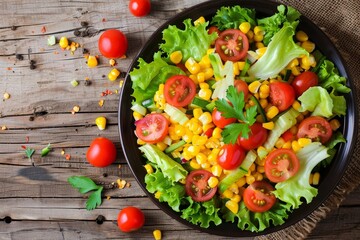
194	41
202	213
281	50
172	193
297	187
232	17
330	79
224	74
318	101
169	167
339	107
148	76
271	25
257	222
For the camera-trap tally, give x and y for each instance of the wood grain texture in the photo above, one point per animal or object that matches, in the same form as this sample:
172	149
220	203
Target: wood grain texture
37	202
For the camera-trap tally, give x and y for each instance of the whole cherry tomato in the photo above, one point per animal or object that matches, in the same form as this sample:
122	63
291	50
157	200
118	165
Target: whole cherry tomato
113	43
304	81
101	153
130	219
231	156
140	8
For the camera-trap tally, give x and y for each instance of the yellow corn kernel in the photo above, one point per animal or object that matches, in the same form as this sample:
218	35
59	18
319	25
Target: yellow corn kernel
194	164
198	140
201	158
296	105
161	145
301	36
216	170
194	78
234	188
205	62
260	169
197	112
280	142
295	146
213	143
137	116
92	61
258	37
268	125
187	137
236	198
101	122
149	169
245	27
236	69
157	194
207	127
241	182
258	30
157	234
263	102
250	179
199	20
241	65
254	86
64	42
259	45
205	93
287	145
316	178
217	133
311	178
192	66
261	51
113	74
176	57
232	206
258	176
293	63
205	118
210	50
334	124
208	73
250	35
200	77
228	194
295	71
264	91
140	142
308	46
213	182
204	86
179	130
272	112
112	62
304	141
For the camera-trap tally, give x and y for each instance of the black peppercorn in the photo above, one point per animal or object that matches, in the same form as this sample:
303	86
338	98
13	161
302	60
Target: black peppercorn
84	24
19	57
100	219
77	33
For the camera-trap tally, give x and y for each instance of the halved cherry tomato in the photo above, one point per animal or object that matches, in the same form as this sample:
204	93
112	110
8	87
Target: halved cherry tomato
101	153
288	136
304	81
281	164
152	128
130	219
214	29
258	196
242	86
219	120
231	156
232	45
113	43
257	137
179	90
197	186
140	8
315	127
282	95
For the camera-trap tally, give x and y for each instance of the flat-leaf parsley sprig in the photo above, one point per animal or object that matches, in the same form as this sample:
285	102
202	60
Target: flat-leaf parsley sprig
233	107
84	185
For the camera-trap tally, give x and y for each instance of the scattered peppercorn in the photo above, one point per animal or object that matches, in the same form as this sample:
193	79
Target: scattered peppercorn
84	24
19	57
87	83
100	219
105	174
77	33
85	51
31	118
32	66
13	28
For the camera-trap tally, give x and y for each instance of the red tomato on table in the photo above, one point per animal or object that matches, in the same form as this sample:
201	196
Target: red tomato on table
153	128
130	219
231	156
282	95
304	81
232	45
113	44
179	90
258	196
281	164
315	127
257	137
101	153
140	8
197	186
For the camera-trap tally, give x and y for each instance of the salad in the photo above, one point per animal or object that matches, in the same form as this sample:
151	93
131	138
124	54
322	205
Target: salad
236	116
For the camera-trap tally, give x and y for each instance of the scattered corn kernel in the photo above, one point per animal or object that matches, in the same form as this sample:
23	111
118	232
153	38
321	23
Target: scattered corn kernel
6	95
64	42
112	62
157	234
92	61
316	178
100	122
113	74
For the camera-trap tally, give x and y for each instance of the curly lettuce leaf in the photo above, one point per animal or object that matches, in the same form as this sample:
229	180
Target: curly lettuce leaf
193	41
232	17
318	101
271	25
281	50
257	222
169	167
297	187
202	213
330	79
148	76
172	193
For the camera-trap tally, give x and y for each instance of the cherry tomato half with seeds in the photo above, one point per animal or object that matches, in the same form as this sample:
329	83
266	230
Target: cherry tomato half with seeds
101	153
282	95
281	164
232	45
113	43
315	127
257	137
219	120
140	8
179	90
197	186
258	197
231	156
304	81
130	219
153	128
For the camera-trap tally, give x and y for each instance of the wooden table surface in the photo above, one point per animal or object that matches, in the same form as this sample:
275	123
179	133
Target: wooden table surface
36	201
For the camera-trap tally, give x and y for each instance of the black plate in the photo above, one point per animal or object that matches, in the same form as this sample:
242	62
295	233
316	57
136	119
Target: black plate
330	177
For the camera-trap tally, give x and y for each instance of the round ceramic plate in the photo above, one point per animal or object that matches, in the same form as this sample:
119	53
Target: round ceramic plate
329	178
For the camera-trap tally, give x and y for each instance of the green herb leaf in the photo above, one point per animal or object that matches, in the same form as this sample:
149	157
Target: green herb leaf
45	150
29	152
94	199
83	184
232	131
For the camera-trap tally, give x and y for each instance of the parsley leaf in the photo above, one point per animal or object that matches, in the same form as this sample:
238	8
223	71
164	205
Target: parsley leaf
84	185
29	152
235	109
